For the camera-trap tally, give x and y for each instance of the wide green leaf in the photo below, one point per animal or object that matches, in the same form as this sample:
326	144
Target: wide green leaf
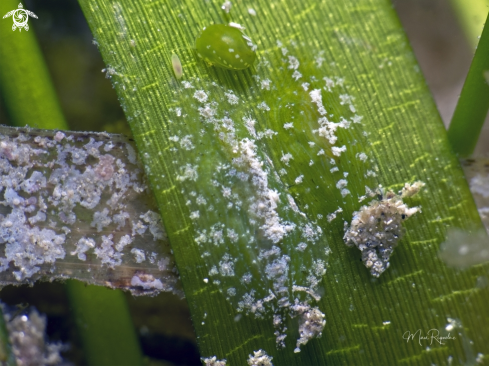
254	185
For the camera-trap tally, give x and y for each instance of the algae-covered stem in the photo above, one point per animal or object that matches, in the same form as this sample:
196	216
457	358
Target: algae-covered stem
79	198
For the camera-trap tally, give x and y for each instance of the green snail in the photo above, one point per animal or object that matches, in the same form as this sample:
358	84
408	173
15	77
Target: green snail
225	46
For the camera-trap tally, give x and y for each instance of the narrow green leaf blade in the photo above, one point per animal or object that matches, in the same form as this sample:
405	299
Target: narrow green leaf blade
473	104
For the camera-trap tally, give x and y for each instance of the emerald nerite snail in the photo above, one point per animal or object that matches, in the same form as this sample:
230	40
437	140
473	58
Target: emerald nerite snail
225	46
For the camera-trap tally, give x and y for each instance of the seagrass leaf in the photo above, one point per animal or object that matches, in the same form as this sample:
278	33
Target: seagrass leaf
257	171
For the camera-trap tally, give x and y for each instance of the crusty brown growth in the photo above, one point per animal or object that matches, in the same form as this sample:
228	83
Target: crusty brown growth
377	228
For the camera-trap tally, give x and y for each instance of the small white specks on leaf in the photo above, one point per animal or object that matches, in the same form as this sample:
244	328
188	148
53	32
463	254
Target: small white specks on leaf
226	6
357	119
186	143
342	183
317	99
232	235
265	84
301	247
207	112
346	99
213	361
250	125
226	192
232	98
213	271
236	25
296	75
319	60
338	150
263	106
260	358
293	63
188	172
362	156
226	266
286	158
201	96
268	133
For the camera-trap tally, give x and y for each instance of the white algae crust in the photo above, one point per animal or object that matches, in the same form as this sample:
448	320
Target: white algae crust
260	358
271	168
377	228
311	323
76	205
213	361
27	337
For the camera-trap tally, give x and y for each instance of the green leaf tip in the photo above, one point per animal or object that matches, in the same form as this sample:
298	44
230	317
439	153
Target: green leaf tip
473	103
